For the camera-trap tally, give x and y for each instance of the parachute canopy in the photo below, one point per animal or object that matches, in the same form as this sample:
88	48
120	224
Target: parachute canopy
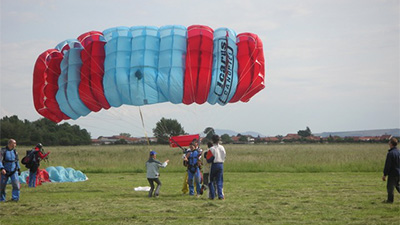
54	174
143	65
182	140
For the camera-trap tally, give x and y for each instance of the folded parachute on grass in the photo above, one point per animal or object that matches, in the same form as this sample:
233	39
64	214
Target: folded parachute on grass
57	174
144	65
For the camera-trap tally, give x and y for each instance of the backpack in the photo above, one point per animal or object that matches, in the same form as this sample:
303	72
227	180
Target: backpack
192	161
29	159
3	154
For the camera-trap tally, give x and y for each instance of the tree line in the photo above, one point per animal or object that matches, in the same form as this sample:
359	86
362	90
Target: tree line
42	131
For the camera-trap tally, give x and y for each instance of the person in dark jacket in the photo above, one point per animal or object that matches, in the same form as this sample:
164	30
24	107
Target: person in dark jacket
38	156
9	168
392	170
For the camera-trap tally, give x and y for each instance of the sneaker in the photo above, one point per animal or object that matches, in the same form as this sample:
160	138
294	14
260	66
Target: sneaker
387	202
14	200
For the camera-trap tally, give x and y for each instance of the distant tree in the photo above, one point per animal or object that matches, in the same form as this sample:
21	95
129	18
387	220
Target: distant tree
165	128
125	134
209	132
243	138
43	131
280	137
304	133
258	139
121	142
225	138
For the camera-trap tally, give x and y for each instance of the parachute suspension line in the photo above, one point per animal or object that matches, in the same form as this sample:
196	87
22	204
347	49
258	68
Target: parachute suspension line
144	129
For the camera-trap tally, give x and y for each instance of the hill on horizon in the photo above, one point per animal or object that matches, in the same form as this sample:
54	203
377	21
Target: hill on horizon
376	132
362	133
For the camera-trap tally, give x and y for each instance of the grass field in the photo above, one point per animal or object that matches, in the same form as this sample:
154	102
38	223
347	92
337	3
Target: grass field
264	184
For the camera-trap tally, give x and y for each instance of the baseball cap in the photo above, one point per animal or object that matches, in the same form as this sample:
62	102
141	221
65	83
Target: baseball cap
153	153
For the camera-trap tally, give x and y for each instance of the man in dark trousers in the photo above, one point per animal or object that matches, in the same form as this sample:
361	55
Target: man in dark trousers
392	170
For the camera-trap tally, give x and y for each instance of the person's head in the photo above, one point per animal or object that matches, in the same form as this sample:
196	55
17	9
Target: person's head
192	146
393	142
12	143
39	146
209	144
153	154
195	142
215	139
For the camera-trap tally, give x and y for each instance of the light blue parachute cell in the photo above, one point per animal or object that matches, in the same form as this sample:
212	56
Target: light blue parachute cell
68	82
144	66
224	78
117	66
171	66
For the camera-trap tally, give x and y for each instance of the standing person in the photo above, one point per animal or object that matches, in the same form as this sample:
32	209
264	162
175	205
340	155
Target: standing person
193	170
37	157
206	170
217	157
392	170
153	174
9	166
185	187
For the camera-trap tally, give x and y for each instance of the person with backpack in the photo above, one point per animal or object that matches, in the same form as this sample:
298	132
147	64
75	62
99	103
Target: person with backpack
153	174
193	170
9	167
36	157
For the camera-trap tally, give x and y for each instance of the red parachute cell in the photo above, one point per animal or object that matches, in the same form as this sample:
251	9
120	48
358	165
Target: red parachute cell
251	71
182	140
45	85
92	71
199	58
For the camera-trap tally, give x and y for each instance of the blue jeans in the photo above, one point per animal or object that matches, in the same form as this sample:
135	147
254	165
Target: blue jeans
32	179
217	177
15	187
194	178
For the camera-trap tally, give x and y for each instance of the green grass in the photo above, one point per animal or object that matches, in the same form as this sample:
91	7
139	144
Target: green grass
278	184
240	158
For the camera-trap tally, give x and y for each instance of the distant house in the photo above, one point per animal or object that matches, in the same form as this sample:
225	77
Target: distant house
291	137
313	138
270	140
129	140
240	140
385	137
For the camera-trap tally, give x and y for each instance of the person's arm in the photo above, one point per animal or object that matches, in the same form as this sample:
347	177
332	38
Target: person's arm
1	160
42	156
164	164
388	164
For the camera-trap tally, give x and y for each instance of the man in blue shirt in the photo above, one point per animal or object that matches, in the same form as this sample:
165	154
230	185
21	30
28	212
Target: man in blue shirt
392	170
9	168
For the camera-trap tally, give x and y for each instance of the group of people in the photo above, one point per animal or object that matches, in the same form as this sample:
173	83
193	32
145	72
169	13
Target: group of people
211	178
11	169
211	162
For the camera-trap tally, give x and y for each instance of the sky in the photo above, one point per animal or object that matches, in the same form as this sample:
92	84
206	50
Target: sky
331	65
